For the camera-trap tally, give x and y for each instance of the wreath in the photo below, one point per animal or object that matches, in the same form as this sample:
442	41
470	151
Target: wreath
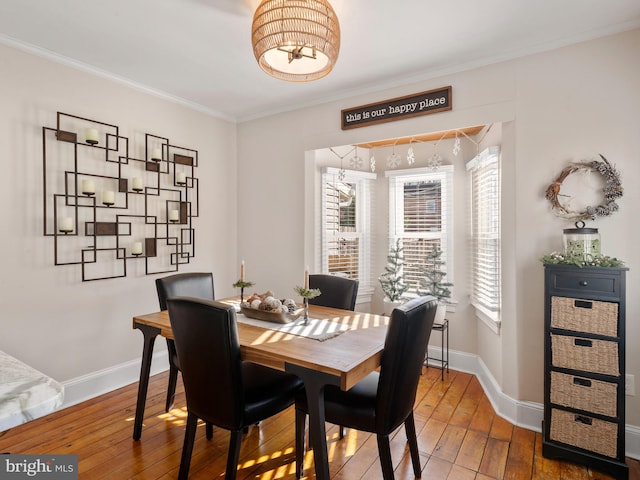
611	191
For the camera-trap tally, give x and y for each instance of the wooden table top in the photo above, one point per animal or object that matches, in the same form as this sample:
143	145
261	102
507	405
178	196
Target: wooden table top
351	356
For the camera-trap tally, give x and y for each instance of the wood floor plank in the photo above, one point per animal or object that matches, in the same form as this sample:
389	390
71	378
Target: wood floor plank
450	402
460	473
520	457
449	444
501	429
464	412
495	461
472	450
100	431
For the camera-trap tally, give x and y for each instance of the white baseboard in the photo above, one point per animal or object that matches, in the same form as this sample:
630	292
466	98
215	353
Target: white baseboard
100	382
527	415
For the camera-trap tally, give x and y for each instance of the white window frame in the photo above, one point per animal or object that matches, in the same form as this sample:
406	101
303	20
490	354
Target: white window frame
397	178
364	186
484	200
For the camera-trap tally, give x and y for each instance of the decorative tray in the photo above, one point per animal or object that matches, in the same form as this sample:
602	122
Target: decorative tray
275	317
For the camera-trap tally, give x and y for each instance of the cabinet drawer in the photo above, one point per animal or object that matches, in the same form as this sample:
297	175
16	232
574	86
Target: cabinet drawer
589	316
578	281
584	432
584	393
589	355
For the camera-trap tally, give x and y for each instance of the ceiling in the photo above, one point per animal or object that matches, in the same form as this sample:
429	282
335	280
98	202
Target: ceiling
199	52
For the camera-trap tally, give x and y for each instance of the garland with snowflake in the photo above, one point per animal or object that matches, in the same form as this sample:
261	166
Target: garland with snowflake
611	191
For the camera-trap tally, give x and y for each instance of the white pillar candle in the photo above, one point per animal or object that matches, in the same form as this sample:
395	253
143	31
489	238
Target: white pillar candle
181	177
156	154
108	197
136	248
65	224
88	186
136	183
306	278
91	135
174	215
242	271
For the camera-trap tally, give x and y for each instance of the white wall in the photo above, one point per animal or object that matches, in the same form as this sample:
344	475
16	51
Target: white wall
51	319
559	106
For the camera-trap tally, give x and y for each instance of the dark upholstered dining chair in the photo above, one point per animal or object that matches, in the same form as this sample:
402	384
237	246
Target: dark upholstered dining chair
220	387
195	284
336	291
383	400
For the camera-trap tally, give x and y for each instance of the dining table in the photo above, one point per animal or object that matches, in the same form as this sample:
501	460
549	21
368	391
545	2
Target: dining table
337	347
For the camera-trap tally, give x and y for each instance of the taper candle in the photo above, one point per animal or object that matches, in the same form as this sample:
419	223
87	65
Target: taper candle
242	271
306	278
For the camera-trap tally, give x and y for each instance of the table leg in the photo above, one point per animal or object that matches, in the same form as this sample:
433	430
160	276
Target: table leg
314	383
150	334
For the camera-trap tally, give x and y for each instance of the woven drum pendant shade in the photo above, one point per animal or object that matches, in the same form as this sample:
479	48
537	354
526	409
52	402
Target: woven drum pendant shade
296	40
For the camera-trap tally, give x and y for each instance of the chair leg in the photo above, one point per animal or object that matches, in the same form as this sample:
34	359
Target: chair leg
187	446
410	428
301	419
209	430
173	376
233	455
384	450
341	430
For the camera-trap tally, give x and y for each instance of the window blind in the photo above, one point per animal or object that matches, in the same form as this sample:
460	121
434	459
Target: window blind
346	213
420	215
484	183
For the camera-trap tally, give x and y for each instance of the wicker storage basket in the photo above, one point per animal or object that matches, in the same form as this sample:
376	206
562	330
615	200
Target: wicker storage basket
589	316
584	393
589	355
584	432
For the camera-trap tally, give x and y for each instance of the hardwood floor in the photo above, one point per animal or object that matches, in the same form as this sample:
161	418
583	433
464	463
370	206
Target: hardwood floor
459	435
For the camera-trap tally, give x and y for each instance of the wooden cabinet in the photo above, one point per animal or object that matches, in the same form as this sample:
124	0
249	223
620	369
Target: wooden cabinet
584	366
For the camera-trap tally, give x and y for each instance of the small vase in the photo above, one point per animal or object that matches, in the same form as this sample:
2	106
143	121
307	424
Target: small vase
305	321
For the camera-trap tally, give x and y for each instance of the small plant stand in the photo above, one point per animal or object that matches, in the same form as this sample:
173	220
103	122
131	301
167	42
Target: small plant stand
443	328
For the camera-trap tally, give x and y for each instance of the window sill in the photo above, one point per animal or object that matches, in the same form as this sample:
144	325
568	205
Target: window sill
488	319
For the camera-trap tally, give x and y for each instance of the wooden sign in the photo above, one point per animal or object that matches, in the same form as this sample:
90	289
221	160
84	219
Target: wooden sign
414	105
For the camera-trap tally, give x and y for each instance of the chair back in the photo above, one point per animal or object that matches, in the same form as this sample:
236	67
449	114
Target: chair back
336	292
206	337
402	359
199	285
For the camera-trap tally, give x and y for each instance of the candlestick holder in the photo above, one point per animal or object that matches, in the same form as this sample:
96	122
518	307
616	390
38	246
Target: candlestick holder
89	194
108	204
92	142
241	284
306	295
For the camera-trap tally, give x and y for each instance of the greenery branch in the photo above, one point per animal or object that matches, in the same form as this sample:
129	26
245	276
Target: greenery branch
307	293
242	284
556	258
